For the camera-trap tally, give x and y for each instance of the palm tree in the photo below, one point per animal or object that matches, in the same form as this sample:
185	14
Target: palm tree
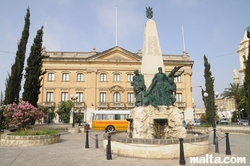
235	91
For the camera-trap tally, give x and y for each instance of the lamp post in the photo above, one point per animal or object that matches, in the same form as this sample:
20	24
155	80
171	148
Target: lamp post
74	98
216	94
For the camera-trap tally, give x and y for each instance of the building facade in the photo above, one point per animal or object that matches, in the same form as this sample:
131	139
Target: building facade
243	54
225	107
102	80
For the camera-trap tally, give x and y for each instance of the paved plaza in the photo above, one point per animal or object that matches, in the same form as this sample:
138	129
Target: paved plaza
71	151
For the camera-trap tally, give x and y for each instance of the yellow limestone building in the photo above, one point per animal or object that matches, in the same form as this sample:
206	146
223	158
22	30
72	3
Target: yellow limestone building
102	80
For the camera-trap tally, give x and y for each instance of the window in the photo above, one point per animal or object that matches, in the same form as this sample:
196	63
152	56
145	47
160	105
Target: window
130	77
80	97
116	77
65	77
102	97
49	97
103	77
51	76
64	96
178	79
130	97
116	97
179	97
80	77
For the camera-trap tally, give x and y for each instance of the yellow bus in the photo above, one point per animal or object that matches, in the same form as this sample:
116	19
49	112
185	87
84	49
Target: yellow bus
110	120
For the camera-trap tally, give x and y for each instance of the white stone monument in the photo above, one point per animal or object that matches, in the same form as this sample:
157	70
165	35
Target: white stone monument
148	121
151	55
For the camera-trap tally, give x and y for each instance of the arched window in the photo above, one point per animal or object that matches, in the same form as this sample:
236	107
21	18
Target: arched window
116	97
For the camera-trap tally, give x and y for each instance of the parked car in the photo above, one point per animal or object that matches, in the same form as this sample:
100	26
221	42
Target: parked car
202	122
195	122
243	122
222	121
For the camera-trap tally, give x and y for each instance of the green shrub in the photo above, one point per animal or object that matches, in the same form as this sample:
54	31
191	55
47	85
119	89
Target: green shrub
35	132
205	125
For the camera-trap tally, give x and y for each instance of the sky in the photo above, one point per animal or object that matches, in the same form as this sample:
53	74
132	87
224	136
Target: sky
211	27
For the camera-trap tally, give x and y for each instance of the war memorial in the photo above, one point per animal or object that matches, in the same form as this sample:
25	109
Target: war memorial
155	124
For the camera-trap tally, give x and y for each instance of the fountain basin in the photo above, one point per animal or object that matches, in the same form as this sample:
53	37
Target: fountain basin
157	148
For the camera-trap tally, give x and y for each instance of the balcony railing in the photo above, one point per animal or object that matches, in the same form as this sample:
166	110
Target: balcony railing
130	105
180	104
49	104
79	104
102	105
116	105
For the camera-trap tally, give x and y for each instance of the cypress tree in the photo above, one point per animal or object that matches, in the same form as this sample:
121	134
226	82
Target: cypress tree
247	77
15	78
209	100
34	71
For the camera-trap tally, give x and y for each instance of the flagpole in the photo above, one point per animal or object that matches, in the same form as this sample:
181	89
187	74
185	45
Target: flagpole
183	39
116	26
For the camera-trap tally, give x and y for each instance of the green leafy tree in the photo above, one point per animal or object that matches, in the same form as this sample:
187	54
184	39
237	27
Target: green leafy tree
49	113
79	117
64	110
2	107
209	101
247	78
1	98
34	73
14	80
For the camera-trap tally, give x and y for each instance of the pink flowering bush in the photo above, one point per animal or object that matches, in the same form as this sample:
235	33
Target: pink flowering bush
21	114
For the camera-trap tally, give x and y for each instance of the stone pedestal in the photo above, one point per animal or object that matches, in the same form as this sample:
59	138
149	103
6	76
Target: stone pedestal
149	122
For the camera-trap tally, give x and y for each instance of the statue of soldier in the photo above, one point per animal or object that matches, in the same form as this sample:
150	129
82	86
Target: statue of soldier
139	88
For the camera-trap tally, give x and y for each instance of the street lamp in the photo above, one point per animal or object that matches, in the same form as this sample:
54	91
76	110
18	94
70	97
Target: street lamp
74	98
216	94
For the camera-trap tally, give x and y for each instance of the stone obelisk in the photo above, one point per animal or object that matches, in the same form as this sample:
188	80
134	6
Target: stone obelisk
151	55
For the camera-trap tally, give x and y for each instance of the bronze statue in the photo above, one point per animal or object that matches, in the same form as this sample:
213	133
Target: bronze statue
157	88
149	12
139	88
161	91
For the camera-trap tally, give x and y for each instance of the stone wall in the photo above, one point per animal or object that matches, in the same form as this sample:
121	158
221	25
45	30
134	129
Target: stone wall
149	122
23	141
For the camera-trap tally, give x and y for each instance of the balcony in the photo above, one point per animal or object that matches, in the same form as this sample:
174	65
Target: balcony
102	105
49	104
130	105
116	105
79	104
180	104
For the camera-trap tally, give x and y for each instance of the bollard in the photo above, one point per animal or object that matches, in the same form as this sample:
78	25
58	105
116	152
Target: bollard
87	139
73	123
96	141
182	159
214	135
228	151
216	145
108	151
